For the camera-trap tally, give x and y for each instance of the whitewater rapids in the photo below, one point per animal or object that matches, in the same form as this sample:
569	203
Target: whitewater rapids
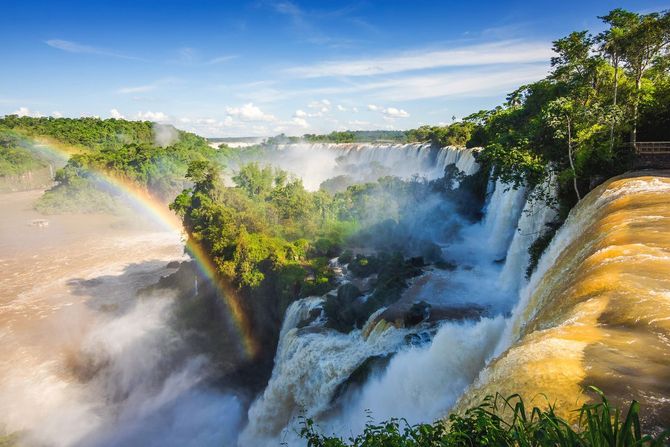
420	381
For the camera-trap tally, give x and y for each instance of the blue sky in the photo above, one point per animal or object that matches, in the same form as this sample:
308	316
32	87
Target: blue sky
237	68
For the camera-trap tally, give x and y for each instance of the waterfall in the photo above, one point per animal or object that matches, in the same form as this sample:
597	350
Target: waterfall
423	381
317	162
310	364
534	294
534	218
595	311
502	215
420	382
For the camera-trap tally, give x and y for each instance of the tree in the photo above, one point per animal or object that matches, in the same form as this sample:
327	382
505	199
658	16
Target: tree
561	115
575	66
256	181
204	174
647	39
613	45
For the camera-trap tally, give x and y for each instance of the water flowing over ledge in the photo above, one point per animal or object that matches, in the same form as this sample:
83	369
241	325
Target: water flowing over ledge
317	162
596	310
417	381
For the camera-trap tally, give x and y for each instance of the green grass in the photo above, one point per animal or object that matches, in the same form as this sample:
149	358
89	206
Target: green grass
500	421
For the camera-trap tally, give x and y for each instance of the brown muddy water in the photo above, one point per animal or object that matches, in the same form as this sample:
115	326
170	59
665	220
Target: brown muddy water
59	284
597	310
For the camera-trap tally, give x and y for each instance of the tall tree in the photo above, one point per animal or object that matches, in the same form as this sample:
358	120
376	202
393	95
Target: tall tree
647	40
612	44
561	115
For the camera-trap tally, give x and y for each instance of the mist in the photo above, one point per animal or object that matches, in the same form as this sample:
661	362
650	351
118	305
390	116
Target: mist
164	134
346	164
120	371
130	381
87	359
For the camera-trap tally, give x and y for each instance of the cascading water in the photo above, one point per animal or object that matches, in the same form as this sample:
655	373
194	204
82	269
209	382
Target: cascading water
417	371
317	162
502	215
535	216
310	364
595	310
421	382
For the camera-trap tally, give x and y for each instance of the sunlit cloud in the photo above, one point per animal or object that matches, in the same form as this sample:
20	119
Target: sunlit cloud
250	112
158	117
462	84
25	111
505	52
392	112
474	82
114	113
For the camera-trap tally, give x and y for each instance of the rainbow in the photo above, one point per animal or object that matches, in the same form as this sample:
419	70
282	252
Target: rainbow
140	199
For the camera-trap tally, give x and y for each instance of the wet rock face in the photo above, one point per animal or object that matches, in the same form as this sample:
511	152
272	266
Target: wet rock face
408	315
205	322
344	308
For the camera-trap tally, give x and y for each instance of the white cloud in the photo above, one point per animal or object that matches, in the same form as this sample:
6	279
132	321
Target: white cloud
341	108
74	47
250	112
392	112
300	122
323	106
300	114
354	109
373	107
56	114
503	52
475	82
114	113
471	83
157	117
25	111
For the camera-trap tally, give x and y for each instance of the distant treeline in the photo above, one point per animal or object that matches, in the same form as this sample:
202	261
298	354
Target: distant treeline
604	91
15	158
150	155
457	134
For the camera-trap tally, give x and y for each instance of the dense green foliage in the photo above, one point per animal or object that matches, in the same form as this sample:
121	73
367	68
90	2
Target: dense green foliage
603	91
151	156
257	232
88	132
15	158
456	134
503	422
272	239
357	136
